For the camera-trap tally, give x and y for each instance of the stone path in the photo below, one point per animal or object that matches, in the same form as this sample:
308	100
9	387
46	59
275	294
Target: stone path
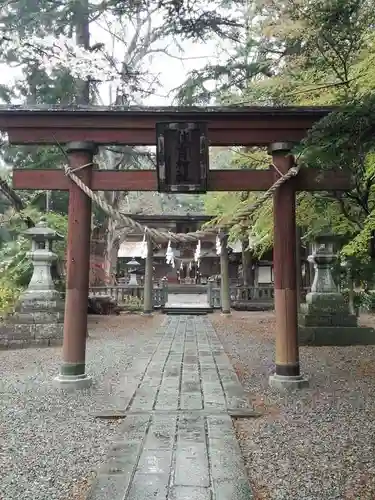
177	441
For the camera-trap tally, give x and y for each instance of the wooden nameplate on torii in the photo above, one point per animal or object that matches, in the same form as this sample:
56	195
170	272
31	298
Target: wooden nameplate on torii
182	157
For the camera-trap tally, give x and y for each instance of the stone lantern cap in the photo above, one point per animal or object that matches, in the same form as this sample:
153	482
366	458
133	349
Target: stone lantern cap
133	263
324	237
41	232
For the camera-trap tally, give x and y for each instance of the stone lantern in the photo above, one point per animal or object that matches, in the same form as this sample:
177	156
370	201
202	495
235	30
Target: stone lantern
325	318
323	257
41	285
39	314
133	265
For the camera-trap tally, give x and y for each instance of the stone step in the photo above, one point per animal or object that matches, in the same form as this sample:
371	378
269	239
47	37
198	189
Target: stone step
187	289
181	310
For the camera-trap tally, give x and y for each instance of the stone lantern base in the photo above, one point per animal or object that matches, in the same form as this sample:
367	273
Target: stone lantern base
325	320
37	321
335	335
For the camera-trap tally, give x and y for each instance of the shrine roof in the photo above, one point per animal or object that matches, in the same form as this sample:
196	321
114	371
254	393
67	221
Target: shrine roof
136	126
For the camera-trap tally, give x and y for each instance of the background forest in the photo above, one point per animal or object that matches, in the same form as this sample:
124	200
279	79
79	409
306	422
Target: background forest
263	52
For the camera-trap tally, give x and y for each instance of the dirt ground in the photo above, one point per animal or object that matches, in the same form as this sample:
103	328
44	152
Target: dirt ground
318	443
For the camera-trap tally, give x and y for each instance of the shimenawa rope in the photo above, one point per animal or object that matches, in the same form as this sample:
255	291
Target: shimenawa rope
157	235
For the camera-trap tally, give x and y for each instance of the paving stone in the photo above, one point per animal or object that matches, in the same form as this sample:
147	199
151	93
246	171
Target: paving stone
132	423
151	381
219	426
108	486
210	376
191	430
189	368
226	461
191	386
155	461
232	490
123	457
228	377
213	398
167	400
169	383
191	465
189	493
190	359
190	371
119	466
147	487
145	396
191	401
123	398
204	352
144	402
161	434
172	371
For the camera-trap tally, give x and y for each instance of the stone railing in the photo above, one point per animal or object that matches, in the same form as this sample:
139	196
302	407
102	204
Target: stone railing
124	293
244	293
262	293
240	293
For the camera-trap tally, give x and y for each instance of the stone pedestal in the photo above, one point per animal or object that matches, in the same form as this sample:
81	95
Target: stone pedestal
224	283
39	315
133	280
148	304
325	318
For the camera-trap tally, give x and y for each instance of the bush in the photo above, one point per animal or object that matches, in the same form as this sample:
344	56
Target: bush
364	300
368	301
8	297
132	303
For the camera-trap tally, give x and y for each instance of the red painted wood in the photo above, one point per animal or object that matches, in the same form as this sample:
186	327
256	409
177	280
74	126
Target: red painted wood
147	137
78	262
242	126
284	249
218	180
285	272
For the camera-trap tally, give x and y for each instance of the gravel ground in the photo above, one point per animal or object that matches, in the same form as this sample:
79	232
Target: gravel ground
49	444
318	443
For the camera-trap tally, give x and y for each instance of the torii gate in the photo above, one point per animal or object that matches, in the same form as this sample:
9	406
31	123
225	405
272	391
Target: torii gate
82	130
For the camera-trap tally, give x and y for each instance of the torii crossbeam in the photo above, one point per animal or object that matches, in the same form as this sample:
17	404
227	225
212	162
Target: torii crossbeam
83	129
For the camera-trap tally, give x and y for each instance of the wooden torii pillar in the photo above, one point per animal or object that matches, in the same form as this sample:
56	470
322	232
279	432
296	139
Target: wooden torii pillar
73	368
247	127
287	373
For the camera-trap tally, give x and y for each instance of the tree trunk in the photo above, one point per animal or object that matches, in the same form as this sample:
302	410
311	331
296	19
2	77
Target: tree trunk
82	28
111	250
247	274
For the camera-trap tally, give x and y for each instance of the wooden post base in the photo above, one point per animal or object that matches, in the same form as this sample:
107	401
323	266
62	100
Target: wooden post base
281	382
73	382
